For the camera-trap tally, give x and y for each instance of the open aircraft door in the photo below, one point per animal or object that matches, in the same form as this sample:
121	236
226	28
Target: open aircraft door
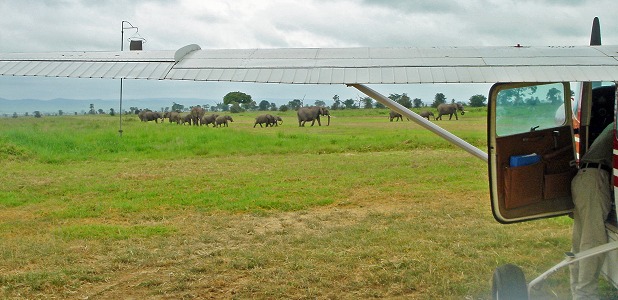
531	150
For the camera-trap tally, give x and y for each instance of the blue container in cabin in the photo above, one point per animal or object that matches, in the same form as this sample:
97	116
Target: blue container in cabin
524	160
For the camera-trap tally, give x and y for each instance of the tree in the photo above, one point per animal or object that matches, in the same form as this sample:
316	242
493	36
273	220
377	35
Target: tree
92	111
177	107
101	111
402	99
478	100
236	108
405	101
273	107
368	102
249	105
438	99
112	112
15	115
60	112
319	103
37	114
379	105
238	97
295	104
337	103
264	105
394	97
516	96
554	96
283	108
533	101
417	102
349	103
222	107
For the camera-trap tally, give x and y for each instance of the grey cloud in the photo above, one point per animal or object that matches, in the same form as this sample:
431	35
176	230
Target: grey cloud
436	6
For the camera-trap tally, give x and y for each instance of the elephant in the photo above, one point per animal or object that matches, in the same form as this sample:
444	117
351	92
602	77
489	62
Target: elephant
426	114
209	119
222	120
173	116
187	119
197	112
449	109
148	115
267	119
395	115
312	113
277	120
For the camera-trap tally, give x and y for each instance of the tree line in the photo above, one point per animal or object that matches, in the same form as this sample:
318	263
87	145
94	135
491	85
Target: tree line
239	102
236	102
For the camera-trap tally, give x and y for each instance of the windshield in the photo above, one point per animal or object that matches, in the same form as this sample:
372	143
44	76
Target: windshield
530	108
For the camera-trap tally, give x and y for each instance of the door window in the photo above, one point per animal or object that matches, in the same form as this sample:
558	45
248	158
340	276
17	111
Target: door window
530	108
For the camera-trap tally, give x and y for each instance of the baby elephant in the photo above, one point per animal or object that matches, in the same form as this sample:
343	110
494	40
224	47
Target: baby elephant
278	120
222	120
426	114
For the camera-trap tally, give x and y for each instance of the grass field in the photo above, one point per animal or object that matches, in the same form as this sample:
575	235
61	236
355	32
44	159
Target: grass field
364	208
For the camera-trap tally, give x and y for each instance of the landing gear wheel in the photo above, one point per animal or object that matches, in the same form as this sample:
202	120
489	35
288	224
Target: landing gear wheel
509	283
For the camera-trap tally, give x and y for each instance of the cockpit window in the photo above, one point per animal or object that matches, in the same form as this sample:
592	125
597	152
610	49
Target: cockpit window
530	108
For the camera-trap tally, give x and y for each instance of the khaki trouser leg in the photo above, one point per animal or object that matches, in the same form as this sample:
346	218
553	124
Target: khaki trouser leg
591	196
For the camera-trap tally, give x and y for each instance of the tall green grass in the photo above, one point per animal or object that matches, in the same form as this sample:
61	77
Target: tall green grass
78	138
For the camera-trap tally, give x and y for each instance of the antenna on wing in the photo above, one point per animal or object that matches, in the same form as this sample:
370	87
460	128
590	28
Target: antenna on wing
586	92
595	35
595	40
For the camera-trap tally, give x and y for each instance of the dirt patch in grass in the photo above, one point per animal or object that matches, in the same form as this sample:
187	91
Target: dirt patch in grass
221	255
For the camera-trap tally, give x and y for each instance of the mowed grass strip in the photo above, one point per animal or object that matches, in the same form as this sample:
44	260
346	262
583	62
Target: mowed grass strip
362	208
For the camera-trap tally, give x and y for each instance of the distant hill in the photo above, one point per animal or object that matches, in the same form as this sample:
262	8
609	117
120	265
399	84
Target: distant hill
70	106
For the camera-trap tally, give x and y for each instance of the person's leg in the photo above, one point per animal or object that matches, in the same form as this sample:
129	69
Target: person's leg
593	210
579	195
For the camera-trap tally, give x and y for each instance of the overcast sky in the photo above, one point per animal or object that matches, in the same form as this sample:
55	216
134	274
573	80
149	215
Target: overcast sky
74	25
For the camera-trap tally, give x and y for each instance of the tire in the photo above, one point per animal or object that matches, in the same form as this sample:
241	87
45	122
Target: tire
509	283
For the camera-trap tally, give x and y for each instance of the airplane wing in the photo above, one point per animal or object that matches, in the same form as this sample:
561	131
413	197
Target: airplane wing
404	65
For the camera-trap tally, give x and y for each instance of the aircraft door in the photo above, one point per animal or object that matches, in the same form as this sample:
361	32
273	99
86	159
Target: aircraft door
531	151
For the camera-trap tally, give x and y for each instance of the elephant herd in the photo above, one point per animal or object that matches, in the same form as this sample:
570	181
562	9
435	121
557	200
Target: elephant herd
443	109
198	116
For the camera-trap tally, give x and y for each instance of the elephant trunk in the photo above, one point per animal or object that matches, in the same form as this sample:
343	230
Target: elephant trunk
328	120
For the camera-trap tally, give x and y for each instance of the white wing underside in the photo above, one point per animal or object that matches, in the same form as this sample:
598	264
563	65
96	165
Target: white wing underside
329	65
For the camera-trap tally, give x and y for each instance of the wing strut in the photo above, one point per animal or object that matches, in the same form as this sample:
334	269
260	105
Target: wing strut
421	121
